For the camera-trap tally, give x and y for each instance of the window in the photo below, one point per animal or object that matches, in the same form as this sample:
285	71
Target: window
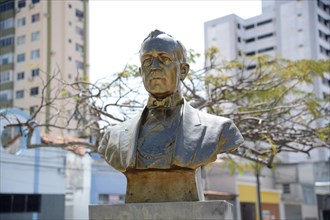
324	51
70	40
70	6
251	67
79	14
34	91
6	76
80	31
33	109
79	65
19	94
79	48
35	54
21	22
323	21
20	202
238	39
249	27
20	57
309	195
326	81
5	95
250	40
264	22
238	26
69	58
5	24
35	36
324	36
21	40
286	188
6	58
35	1
21	3
265	36
5	6
265	49
35	18
6	41
20	76
250	53
35	73
111	199
325	7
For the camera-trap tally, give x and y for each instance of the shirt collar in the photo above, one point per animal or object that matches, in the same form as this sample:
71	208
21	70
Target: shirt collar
169	102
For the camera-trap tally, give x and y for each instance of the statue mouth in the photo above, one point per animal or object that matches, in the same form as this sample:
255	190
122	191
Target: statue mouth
157	78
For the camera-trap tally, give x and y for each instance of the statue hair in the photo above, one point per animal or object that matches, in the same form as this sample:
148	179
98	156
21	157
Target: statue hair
182	54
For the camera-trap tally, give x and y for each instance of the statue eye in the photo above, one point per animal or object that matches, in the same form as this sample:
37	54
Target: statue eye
147	62
166	60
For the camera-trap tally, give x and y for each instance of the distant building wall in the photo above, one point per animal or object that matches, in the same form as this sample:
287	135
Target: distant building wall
108	186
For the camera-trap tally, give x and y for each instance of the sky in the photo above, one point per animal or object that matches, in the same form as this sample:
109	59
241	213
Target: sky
117	28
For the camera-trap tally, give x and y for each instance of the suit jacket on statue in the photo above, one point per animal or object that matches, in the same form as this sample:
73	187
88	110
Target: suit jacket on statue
200	138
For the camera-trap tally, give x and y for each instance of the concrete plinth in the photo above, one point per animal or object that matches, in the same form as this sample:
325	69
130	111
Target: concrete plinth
220	210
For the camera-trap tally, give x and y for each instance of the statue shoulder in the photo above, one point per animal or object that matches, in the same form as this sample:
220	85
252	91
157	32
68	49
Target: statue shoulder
110	139
213	119
128	124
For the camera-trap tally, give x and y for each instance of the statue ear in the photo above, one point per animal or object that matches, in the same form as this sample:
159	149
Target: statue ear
184	70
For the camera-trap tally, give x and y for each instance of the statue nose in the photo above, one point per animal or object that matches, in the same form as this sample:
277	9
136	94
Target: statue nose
155	64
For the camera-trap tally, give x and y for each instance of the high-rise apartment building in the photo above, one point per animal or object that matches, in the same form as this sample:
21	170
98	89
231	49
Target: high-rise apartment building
293	29
37	40
40	39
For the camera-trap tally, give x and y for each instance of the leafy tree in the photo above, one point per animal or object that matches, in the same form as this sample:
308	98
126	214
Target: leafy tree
270	100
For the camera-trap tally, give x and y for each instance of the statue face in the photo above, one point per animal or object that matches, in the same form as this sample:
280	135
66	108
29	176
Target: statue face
160	67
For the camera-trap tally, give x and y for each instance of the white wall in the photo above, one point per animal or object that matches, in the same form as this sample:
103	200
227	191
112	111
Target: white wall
21	174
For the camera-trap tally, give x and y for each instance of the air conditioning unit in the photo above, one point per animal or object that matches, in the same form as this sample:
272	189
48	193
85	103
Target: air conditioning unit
31	5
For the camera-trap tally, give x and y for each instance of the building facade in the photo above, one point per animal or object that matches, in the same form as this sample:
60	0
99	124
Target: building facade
40	40
294	30
33	181
305	189
291	29
217	178
108	185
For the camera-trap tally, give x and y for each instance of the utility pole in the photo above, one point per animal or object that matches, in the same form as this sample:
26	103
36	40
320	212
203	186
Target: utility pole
257	173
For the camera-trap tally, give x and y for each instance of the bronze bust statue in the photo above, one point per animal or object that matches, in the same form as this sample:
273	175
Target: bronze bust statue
161	150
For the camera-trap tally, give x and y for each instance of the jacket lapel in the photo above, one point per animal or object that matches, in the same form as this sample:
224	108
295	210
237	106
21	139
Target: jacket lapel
128	140
189	137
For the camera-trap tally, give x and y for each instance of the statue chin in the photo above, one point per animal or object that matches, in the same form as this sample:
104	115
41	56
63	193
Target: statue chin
160	95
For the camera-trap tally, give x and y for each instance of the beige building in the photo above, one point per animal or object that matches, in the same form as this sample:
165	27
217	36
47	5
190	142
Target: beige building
39	40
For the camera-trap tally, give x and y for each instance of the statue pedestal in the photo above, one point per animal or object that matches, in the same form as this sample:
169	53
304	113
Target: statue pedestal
220	210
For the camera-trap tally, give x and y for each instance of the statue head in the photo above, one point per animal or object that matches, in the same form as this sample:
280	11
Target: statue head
163	64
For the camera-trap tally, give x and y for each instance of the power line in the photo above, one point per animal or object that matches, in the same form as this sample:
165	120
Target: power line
46	166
